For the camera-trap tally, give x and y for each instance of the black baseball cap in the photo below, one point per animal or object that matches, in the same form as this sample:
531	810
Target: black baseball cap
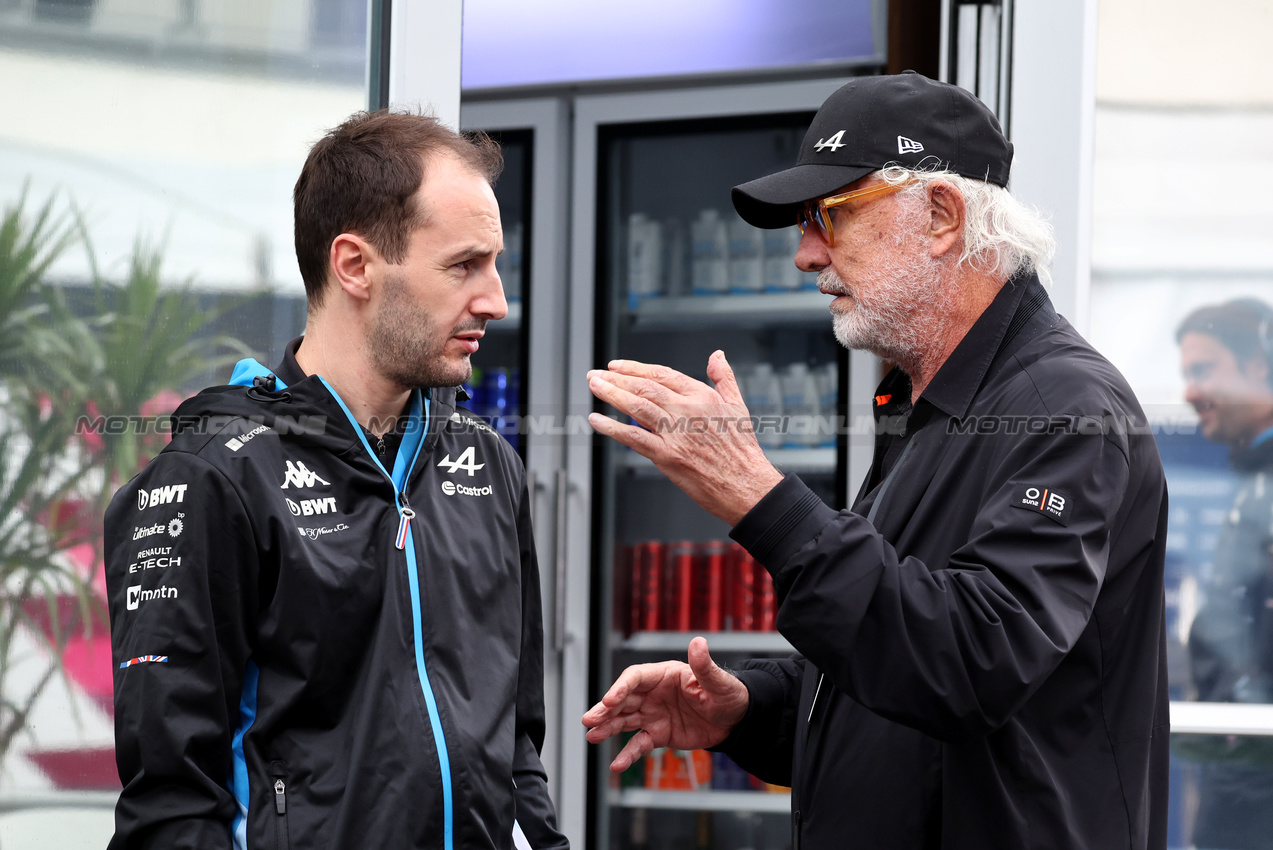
905	119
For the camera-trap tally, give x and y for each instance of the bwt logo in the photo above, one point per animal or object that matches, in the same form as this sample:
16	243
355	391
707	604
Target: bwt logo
451	488
136	595
161	496
311	507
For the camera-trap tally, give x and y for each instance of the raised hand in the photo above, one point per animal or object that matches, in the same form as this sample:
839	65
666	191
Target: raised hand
700	437
671	704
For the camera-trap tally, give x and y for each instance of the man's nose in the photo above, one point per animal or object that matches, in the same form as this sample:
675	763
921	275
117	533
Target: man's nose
813	254
490	301
1193	393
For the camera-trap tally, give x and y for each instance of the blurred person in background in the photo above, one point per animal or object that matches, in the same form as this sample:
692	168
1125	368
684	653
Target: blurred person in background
1226	355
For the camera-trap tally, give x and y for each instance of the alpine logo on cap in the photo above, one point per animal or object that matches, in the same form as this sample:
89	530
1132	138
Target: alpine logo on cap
905	145
834	143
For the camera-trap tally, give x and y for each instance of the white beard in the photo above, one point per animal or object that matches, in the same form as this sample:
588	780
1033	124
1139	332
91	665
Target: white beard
897	315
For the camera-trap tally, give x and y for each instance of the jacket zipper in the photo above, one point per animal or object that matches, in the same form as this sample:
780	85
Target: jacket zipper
405	515
401	541
281	839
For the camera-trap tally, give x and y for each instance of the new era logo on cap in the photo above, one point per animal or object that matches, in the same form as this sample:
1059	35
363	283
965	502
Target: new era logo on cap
905	145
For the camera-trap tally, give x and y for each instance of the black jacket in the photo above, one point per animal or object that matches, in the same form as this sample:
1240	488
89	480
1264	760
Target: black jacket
982	654
299	665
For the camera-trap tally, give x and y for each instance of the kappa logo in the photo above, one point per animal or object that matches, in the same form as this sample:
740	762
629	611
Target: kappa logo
161	496
1052	503
905	145
299	475
834	143
312	507
136	595
466	461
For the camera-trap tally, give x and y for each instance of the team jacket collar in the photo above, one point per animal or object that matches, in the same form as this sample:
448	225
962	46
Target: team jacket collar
428	412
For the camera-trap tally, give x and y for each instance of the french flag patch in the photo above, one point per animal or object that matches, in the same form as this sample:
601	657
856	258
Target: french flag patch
142	659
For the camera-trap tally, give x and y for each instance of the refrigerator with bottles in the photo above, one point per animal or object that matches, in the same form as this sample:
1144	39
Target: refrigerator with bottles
664	271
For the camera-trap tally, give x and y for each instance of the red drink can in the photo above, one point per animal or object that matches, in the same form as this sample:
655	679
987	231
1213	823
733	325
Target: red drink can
766	602
621	613
649	563
744	591
710	588
679	587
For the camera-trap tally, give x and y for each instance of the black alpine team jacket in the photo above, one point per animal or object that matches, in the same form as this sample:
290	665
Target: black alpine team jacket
314	651
981	647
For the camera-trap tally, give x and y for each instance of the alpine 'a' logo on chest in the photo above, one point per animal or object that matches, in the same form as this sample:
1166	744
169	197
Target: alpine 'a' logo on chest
466	461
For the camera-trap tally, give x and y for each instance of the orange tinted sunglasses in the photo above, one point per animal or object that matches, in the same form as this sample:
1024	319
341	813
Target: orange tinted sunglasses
817	212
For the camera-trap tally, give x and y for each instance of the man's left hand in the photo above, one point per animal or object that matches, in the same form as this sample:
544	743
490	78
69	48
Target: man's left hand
700	437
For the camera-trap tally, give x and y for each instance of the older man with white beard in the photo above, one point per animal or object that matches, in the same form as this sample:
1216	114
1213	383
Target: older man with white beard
980	637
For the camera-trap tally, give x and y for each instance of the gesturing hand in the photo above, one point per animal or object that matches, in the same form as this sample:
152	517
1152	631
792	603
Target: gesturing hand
672	704
700	437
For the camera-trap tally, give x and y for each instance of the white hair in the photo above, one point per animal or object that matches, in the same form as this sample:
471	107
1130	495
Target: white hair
1002	236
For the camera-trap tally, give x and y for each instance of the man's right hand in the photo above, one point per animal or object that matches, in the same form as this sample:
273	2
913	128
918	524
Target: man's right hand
670	704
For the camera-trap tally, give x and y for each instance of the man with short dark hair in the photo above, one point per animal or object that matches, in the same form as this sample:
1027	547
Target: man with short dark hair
324	596
980	645
1225	352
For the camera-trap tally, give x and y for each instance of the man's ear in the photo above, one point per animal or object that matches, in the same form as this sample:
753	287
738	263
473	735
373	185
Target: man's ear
350	258
947	216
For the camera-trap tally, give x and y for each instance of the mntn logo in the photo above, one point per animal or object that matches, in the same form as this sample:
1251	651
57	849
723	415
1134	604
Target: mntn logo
136	595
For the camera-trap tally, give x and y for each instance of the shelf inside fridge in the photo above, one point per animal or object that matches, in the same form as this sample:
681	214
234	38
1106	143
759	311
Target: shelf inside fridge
805	306
703	801
718	641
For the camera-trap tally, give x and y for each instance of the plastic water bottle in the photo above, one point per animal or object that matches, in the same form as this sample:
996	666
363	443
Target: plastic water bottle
828	378
676	258
709	239
780	272
645	256
764	401
802	405
746	256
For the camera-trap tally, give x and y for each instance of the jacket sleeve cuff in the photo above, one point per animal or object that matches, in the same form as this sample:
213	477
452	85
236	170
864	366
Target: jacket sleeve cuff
786	519
764	708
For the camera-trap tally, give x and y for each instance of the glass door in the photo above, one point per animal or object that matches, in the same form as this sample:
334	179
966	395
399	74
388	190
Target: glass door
676	275
521	384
